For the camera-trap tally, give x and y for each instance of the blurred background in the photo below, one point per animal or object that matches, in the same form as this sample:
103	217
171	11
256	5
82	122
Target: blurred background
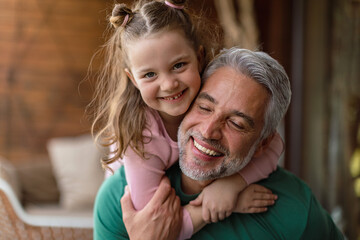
46	47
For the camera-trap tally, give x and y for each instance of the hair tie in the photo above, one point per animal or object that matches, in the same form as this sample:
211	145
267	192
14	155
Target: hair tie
125	20
173	5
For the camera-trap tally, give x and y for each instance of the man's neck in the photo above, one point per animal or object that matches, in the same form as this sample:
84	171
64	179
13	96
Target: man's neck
191	186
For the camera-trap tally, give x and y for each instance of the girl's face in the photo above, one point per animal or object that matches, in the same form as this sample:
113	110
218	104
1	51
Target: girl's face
165	68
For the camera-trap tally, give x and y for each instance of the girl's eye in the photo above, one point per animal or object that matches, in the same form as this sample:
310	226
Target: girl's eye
150	75
178	65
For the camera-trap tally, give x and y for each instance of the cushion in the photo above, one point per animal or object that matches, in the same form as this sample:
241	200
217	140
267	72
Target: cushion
77	170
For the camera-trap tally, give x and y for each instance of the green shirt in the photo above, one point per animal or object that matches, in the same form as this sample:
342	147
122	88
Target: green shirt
296	214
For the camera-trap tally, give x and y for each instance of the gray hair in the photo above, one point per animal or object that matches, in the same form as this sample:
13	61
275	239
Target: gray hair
263	69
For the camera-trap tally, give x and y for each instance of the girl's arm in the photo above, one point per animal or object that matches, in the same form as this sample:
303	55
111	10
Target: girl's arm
220	198
265	162
253	199
144	176
196	217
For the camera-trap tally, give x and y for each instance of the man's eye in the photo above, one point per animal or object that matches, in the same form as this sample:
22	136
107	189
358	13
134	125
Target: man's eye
204	108
178	65
236	125
150	75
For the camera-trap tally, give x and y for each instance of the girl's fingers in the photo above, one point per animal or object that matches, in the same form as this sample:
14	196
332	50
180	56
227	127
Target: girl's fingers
206	215
257	210
214	217
262	203
197	201
261	189
265	196
221	216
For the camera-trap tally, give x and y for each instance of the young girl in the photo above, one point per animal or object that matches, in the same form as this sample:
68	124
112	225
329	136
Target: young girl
150	78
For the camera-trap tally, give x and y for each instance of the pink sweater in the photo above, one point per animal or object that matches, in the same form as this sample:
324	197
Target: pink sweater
144	176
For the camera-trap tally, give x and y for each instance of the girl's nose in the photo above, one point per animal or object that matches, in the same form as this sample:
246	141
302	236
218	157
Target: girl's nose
169	83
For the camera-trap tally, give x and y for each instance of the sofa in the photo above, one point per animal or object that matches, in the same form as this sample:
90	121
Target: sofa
51	197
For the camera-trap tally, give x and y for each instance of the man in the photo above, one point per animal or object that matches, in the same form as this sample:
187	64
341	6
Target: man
244	97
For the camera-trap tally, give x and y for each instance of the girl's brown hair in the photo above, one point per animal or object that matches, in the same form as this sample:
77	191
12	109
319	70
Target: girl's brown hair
119	114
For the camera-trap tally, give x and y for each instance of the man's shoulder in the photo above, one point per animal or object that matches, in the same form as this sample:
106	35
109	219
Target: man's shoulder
296	213
107	209
291	211
297	210
114	185
285	182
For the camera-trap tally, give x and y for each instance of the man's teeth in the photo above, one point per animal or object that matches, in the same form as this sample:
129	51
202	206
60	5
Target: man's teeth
173	98
206	150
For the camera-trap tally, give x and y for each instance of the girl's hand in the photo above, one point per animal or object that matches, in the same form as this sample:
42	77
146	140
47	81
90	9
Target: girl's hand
219	199
255	199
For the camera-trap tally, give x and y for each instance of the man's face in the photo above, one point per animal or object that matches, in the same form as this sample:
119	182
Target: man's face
221	130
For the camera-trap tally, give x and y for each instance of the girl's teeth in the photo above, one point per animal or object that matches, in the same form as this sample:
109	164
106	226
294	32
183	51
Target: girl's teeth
173	98
205	150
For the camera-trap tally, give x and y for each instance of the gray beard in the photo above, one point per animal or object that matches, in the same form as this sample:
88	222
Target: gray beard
227	168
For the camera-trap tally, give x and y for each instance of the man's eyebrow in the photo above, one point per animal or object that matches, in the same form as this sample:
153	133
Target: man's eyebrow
204	95
247	118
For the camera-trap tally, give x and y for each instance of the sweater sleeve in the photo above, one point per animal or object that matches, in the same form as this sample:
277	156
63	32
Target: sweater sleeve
144	175
260	167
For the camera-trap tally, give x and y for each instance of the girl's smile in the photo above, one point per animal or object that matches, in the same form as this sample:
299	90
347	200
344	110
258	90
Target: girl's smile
174	97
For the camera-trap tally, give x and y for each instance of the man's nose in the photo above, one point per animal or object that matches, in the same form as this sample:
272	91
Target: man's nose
169	82
211	128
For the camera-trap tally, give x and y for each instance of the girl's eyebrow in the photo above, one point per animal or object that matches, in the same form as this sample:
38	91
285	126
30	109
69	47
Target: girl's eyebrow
248	119
181	56
143	70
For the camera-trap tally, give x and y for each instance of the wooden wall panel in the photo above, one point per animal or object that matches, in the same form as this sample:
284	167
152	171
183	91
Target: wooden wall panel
45	49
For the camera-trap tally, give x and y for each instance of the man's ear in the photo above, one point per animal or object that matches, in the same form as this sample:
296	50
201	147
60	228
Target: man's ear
201	58
263	145
129	74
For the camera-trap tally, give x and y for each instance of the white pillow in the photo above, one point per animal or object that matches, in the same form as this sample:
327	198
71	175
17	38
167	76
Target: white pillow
77	170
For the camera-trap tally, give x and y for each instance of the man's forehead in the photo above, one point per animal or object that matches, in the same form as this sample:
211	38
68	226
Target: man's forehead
227	77
223	80
223	75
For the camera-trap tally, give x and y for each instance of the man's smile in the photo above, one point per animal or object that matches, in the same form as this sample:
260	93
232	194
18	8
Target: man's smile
206	151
